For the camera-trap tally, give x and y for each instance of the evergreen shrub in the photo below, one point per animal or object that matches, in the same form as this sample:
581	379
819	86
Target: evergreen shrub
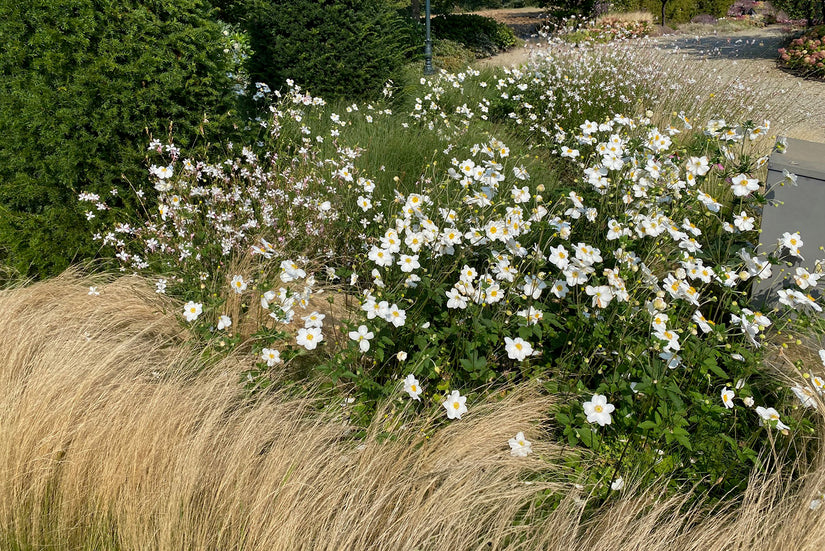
482	35
83	83
335	48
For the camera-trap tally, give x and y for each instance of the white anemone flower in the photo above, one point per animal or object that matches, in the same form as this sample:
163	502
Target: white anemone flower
408	263
727	397
792	242
238	284
362	336
806	396
271	356
805	279
743	186
520	446
598	410
191	310
314	320
224	322
518	348
309	337
456	299
396	316
455	404
698	166
291	271
743	221
412	387
770	414
602	295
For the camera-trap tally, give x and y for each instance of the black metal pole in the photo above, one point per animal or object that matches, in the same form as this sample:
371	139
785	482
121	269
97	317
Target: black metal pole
428	45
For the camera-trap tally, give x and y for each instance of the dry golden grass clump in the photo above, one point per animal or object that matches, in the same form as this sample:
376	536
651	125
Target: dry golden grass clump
114	436
109	437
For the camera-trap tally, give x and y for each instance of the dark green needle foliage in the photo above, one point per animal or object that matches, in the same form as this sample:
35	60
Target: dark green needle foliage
333	48
83	84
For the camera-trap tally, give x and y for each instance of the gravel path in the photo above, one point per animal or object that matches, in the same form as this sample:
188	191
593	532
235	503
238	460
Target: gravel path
744	56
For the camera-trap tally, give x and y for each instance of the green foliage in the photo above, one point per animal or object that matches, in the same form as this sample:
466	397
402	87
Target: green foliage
335	48
681	11
447	6
811	10
451	56
482	35
566	8
84	83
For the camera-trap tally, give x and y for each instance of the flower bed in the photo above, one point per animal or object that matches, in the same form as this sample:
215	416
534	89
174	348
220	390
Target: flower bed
540	230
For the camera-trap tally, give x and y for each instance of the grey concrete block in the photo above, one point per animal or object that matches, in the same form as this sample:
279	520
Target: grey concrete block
799	208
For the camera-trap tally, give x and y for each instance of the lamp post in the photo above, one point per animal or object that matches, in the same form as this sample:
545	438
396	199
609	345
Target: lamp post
428	44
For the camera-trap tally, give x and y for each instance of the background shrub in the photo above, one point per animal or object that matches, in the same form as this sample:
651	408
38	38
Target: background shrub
811	10
448	6
482	35
681	11
83	84
334	48
677	11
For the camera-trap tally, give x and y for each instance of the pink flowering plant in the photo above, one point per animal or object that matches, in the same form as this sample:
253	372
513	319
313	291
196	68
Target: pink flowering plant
806	55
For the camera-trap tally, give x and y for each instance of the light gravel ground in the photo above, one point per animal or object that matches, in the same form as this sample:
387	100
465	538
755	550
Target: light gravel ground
747	56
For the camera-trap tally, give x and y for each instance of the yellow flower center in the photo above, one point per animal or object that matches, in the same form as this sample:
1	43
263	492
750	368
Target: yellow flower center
598	409
456	405
413	388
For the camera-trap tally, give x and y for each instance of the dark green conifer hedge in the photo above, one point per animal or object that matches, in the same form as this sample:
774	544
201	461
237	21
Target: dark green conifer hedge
83	83
333	48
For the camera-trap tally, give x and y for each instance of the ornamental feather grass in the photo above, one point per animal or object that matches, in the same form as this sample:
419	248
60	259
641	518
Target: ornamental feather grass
110	441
